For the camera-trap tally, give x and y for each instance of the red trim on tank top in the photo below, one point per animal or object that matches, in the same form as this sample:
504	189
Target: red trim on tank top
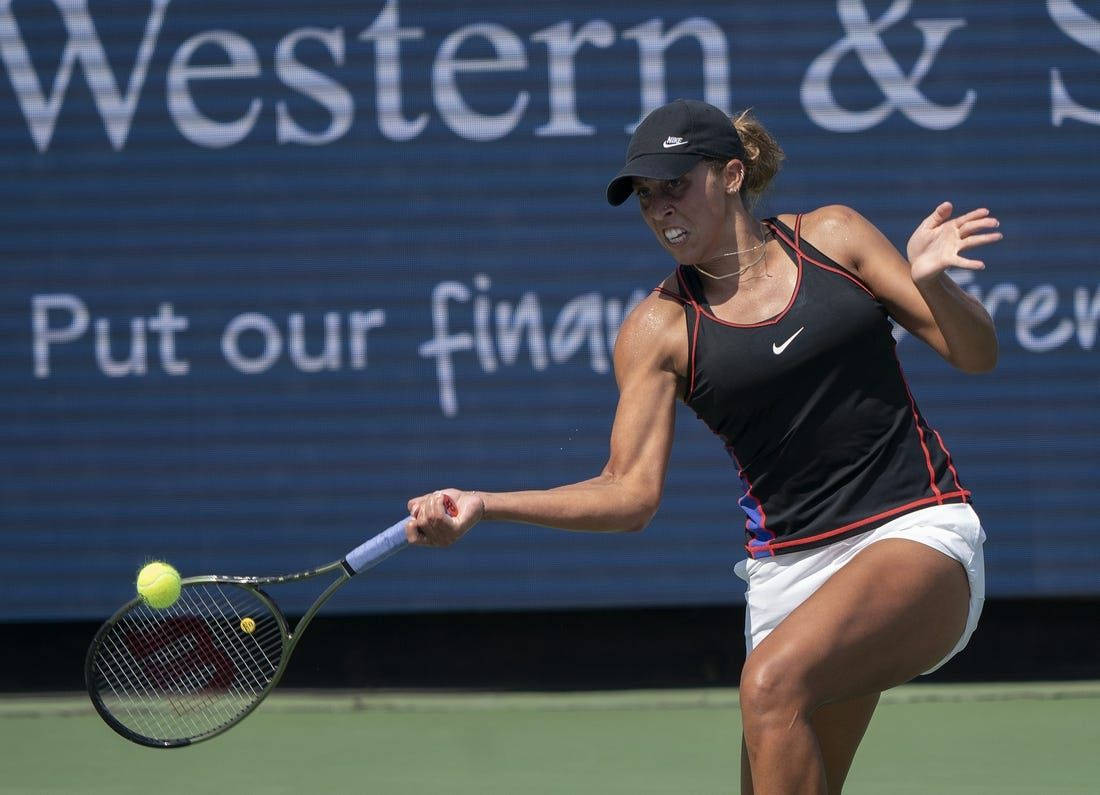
920	432
771	321
950	461
694	334
694	337
923	443
834	268
674	296
769	549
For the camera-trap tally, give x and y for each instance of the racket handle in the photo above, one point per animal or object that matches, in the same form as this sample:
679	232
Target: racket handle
375	550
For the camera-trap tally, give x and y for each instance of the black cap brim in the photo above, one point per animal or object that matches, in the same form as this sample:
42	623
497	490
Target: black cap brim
662	165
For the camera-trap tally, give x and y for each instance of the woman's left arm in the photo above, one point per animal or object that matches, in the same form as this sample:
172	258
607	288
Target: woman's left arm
918	292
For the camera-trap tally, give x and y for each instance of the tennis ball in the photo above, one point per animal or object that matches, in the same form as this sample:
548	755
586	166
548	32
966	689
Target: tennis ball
158	584
248	626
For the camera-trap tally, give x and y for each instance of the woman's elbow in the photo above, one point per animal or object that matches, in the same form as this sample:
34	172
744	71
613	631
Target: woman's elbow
975	353
985	366
641	516
981	361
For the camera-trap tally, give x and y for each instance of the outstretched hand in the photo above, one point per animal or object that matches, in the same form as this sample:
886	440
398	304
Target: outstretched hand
938	243
441	518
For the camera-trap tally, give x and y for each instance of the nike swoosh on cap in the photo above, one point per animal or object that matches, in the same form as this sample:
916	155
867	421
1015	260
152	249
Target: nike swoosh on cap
672	141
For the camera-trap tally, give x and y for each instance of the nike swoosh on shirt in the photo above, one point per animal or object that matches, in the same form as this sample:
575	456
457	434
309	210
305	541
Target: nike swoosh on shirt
778	349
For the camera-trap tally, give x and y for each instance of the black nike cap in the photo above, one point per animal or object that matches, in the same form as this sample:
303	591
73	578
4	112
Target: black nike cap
671	140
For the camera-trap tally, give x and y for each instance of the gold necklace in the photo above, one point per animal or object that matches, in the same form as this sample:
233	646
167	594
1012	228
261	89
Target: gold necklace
763	242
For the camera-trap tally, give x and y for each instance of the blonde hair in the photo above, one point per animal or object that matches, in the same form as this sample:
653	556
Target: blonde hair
764	157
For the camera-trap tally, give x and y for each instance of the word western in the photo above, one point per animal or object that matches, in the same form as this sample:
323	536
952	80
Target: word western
191	79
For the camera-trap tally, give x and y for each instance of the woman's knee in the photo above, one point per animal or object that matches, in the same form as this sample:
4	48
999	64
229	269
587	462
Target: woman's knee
773	690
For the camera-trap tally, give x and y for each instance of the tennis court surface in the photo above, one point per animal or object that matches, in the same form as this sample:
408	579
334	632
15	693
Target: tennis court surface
1028	738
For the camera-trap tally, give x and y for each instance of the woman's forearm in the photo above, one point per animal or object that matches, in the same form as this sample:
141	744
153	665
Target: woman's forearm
602	504
967	329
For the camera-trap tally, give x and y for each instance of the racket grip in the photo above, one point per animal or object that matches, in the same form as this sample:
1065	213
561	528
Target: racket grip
374	550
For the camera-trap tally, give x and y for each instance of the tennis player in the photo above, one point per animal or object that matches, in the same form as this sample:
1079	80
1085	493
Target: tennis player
864	564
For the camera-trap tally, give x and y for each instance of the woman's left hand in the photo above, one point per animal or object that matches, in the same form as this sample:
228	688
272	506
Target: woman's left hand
938	243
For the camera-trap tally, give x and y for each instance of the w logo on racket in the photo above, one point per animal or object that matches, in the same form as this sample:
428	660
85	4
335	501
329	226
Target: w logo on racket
181	652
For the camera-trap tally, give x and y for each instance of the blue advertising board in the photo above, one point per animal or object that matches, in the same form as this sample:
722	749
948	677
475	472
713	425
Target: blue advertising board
268	274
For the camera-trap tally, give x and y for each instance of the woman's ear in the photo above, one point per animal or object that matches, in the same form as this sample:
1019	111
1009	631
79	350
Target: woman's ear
734	176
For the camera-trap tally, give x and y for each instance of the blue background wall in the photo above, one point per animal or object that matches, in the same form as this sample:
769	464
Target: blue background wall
299	232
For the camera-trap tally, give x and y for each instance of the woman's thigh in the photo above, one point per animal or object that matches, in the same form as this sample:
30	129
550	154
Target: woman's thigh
894	611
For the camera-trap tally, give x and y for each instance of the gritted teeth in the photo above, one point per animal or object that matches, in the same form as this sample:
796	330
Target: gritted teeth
675	234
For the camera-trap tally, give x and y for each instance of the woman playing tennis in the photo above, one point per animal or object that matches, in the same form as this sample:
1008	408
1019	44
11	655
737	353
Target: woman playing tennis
864	563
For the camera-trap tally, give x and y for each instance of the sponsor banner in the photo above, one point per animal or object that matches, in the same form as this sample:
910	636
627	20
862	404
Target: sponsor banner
267	275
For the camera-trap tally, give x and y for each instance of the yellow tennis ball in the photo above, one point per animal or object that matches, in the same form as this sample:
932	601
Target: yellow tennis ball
158	584
248	625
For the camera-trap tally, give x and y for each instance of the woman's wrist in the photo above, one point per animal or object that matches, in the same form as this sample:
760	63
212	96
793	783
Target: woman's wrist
483	499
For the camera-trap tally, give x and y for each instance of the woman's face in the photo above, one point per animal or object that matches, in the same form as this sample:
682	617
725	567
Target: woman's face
688	214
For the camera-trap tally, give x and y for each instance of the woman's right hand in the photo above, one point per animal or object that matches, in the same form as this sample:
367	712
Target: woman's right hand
442	517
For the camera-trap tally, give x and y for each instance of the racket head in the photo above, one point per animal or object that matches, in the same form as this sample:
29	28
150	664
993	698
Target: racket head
172	677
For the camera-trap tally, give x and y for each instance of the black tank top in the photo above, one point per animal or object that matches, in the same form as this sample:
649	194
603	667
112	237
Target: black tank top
813	408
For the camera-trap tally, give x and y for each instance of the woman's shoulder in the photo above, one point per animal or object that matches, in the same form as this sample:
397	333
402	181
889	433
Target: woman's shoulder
828	219
664	303
656	324
836	230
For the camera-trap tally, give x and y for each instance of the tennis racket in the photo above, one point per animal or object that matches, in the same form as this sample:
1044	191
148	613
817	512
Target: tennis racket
172	677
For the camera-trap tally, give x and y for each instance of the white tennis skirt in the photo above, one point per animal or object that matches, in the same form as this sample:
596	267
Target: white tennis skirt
777	585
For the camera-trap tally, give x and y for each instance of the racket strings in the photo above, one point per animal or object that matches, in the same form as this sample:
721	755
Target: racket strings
193	673
188	670
191	677
260	667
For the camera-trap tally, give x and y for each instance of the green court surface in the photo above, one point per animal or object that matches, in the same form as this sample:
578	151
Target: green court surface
1032	739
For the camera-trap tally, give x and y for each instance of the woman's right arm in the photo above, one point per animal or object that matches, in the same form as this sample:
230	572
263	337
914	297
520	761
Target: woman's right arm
650	352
